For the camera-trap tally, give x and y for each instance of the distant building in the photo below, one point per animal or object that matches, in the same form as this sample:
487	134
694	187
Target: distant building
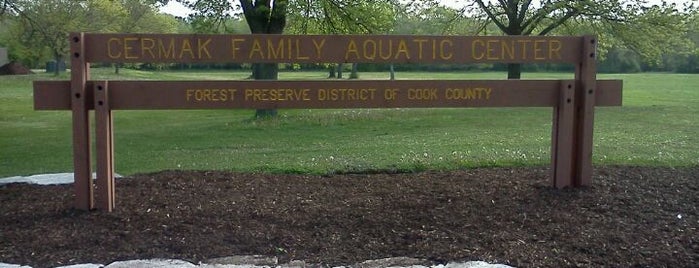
3	56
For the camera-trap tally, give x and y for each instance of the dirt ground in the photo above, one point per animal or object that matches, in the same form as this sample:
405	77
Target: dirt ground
630	217
14	68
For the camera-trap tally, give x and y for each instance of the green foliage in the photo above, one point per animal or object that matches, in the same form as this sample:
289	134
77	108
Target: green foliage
18	43
38	30
656	126
621	61
648	30
424	19
143	17
341	17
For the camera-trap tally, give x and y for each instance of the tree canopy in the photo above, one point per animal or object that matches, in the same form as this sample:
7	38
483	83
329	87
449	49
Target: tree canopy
629	22
37	29
635	35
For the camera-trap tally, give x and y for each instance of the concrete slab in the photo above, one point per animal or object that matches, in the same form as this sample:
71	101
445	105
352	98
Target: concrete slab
44	179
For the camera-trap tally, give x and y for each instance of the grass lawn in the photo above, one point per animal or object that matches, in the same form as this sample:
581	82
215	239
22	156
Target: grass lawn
657	125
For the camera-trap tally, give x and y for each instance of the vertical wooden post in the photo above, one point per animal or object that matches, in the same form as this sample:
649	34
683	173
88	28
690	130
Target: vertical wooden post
105	150
79	74
563	130
586	75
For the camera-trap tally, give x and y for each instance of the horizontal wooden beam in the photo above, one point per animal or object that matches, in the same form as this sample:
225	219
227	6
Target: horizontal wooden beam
249	94
257	48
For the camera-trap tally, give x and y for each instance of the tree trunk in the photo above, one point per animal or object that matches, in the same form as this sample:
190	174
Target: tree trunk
265	71
514	71
331	72
392	72
263	18
116	68
57	57
354	74
339	70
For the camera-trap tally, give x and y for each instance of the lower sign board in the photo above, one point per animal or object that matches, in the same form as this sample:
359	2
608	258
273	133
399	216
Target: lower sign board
145	95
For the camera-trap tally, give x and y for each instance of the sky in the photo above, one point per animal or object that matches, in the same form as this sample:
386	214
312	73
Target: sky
175	8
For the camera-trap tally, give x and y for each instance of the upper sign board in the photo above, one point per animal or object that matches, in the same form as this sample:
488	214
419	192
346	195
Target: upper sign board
166	48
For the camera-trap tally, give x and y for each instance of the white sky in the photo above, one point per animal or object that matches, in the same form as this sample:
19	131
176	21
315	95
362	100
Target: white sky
175	8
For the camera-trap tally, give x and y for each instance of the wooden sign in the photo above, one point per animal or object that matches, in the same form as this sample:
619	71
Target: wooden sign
149	95
157	48
573	101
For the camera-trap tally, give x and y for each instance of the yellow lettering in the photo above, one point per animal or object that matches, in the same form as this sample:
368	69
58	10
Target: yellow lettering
524	43
186	47
390	93
166	53
508	49
402	48
298	51
128	49
248	94
234	46
370	53
468	93
110	49
422	94
345	94
420	43
481	47
256	48
390	49
319	47
490	48
442	48
215	95
539	50
275	94
273	53
351	48
555	49
147	47
202	47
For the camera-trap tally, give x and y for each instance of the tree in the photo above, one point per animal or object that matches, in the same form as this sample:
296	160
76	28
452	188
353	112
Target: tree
527	17
341	17
34	29
49	22
265	17
270	17
262	17
142	16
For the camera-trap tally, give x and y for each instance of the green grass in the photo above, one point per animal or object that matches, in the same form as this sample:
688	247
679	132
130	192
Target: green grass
658	125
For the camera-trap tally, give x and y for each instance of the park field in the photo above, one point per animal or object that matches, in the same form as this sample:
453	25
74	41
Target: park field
656	126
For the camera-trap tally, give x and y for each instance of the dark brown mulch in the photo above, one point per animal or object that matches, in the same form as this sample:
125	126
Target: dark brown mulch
14	68
631	217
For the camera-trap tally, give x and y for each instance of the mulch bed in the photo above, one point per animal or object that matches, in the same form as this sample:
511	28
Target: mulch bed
630	217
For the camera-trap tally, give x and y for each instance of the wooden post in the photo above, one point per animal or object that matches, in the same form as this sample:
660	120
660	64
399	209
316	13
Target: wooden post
586	75
105	149
563	130
79	74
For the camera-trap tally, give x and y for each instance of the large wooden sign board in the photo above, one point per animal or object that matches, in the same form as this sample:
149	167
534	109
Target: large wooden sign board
573	101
